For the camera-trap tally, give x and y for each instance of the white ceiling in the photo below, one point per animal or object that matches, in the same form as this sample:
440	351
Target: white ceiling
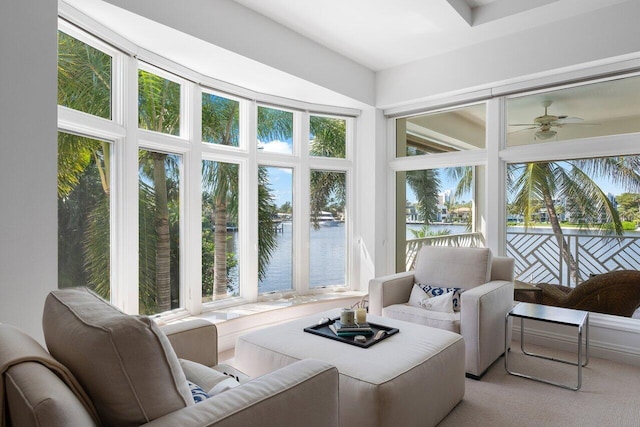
381	34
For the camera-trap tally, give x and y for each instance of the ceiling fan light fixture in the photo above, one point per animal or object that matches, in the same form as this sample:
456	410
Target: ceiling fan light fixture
545	134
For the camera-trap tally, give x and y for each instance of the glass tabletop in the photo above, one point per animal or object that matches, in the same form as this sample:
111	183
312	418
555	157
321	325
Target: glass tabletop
565	316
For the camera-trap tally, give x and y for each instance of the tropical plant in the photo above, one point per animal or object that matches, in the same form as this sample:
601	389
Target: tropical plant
84	84
424	232
426	185
328	140
159	111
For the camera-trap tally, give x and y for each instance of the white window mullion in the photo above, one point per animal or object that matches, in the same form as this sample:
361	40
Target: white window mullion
494	189
191	246
248	209
125	287
301	206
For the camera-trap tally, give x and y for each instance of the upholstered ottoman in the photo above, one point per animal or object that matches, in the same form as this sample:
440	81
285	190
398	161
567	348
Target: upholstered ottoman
412	378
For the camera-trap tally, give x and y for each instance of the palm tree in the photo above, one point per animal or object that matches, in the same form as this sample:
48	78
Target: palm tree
159	110
574	180
425	184
84	84
328	141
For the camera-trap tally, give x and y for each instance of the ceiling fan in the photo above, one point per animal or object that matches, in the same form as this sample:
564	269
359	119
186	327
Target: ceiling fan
546	122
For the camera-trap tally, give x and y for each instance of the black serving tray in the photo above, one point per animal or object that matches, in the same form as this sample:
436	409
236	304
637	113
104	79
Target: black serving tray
323	330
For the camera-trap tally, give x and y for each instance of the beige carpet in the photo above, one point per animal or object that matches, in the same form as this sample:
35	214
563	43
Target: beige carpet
610	395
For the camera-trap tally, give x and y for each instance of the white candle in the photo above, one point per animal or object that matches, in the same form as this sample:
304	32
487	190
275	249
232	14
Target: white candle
361	315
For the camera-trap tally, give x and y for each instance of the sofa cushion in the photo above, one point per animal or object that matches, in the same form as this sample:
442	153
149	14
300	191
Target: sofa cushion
435	319
125	363
37	397
435	264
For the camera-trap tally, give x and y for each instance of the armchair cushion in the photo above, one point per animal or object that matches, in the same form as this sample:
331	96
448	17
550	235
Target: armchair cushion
435	319
125	363
440	266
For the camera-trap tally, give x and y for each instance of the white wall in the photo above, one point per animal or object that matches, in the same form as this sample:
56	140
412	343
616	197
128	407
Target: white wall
28	203
230	25
585	38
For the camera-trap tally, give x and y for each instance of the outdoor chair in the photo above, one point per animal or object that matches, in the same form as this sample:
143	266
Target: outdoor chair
464	290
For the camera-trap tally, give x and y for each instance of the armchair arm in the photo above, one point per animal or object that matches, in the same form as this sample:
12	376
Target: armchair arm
482	313
195	340
303	393
388	290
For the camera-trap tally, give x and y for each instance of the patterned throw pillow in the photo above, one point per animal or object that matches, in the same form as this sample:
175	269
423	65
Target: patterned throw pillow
434	291
197	392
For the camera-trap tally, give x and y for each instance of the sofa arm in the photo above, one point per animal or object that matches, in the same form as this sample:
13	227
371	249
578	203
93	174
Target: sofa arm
304	393
388	290
195	340
482	313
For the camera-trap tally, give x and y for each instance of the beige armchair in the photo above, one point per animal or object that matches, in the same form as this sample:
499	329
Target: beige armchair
487	296
107	368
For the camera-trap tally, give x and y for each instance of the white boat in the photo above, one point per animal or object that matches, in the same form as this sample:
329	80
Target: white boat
326	219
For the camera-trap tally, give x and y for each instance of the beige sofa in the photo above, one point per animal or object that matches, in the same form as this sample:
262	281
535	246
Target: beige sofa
108	368
487	297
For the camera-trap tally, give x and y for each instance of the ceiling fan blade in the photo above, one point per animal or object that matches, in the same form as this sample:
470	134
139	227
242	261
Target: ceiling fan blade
523	124
522	130
566	119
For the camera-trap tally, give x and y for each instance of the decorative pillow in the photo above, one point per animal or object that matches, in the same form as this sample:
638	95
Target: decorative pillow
434	291
442	303
212	381
197	392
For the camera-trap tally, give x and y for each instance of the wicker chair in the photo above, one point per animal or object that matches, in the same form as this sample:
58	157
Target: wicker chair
616	292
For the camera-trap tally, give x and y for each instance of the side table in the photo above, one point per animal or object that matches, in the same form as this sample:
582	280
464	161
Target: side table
558	315
519	289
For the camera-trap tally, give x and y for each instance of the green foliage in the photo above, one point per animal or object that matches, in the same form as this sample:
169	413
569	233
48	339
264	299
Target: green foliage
220	120
426	184
158	103
423	232
84	77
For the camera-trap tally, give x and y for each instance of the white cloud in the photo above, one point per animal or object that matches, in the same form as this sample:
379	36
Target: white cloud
276	147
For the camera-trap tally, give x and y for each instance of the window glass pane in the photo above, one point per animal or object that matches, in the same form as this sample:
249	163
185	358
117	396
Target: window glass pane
83	213
220	118
571	219
159	220
597	109
220	194
275	130
275	234
84	77
328	137
461	129
158	103
434	207
328	235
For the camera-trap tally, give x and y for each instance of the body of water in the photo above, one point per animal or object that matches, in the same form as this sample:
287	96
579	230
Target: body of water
327	253
328	256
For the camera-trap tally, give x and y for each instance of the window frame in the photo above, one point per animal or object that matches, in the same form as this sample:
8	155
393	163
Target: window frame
127	138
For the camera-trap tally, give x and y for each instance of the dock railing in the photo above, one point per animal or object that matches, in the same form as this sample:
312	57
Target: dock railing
538	256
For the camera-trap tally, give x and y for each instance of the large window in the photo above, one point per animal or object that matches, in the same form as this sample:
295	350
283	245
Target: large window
572	202
159	231
84	77
275	231
438	205
204	198
220	196
84	184
458	129
328	234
